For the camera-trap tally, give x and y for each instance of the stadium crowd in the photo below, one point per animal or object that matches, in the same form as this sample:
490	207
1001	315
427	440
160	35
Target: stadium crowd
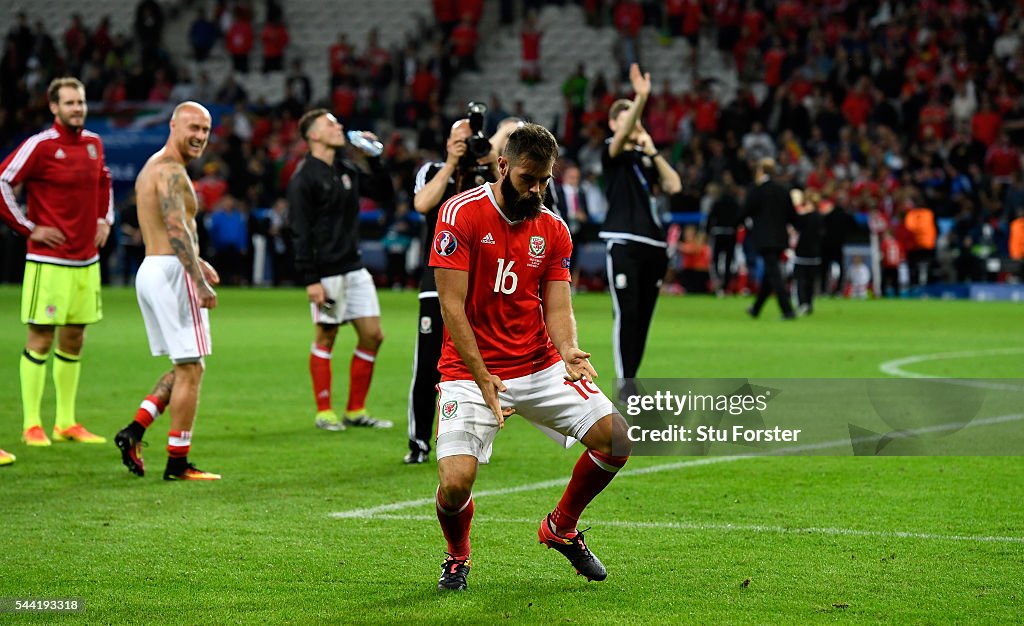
902	118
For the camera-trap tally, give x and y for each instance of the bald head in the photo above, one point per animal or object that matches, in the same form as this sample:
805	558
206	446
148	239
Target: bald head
505	128
509	124
190	107
190	130
457	136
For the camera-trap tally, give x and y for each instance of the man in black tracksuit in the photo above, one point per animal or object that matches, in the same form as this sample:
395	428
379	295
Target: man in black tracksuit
435	184
837	224
323	205
632	229
807	261
770	209
721	229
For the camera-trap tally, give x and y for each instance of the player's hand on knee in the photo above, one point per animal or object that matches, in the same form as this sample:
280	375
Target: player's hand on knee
500	413
577	365
489	387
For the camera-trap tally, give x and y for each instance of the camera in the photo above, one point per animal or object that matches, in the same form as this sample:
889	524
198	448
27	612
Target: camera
478	145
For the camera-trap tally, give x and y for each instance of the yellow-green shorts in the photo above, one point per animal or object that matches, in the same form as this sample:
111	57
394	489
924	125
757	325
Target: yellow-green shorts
55	295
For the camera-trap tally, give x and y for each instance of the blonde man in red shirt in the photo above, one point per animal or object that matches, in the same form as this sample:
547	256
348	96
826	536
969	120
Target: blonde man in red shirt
68	218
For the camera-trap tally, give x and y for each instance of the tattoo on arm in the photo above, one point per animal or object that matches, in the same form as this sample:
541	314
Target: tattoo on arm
170	189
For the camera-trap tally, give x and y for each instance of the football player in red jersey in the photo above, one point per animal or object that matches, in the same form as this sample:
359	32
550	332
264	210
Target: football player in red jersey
502	267
68	218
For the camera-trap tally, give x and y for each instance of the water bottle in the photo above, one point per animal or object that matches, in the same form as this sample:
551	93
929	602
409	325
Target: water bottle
367	145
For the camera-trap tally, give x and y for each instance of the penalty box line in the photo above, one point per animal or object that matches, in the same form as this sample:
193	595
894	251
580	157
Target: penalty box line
377	511
740	528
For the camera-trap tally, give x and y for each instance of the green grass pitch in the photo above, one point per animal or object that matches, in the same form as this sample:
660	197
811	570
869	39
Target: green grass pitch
762	541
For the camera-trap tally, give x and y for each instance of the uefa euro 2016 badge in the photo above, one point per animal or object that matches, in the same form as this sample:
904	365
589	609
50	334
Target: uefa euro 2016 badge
537	246
91	149
426	325
346	180
445	243
449	410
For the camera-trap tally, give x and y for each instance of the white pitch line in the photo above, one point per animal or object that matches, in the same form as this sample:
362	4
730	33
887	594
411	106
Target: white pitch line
558	482
751	528
895	367
377	511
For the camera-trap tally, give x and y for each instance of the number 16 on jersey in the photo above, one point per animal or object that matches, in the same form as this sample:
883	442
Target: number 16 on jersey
505	281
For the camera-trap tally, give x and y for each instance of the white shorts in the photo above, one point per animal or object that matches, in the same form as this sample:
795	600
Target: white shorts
175	324
465	424
354	296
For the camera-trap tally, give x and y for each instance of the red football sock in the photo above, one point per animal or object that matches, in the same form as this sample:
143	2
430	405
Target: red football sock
178	443
359	376
592	473
320	372
149	410
455	523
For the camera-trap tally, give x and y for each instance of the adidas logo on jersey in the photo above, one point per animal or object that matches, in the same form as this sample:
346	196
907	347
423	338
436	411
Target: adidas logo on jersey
59	154
487	239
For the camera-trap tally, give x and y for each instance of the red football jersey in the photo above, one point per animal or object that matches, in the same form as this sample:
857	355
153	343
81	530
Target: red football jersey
67	186
508	264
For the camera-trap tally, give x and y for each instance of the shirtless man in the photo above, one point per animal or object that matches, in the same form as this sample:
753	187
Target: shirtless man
174	290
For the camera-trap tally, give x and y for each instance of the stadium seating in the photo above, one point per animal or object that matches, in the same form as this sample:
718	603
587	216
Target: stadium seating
567	42
56	15
313	26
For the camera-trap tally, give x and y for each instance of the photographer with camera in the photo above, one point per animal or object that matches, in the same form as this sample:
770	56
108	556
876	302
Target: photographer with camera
472	161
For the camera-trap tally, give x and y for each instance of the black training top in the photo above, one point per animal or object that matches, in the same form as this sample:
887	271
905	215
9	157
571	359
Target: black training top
811	227
632	213
323	206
